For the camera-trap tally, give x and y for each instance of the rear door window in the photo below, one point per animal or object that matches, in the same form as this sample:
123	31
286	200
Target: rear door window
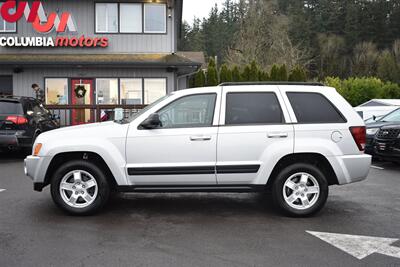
10	107
253	108
314	108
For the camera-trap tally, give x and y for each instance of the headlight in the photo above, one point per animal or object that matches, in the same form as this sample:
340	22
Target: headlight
37	149
372	131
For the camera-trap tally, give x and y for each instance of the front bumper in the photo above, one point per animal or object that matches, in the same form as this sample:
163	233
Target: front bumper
387	149
35	168
351	168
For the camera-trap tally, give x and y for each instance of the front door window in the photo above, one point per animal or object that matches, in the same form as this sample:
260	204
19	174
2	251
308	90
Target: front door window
82	94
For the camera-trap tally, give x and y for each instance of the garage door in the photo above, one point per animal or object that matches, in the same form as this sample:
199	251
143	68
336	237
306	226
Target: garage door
6	85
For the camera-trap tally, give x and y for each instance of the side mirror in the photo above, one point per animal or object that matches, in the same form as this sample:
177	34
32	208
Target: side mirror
152	122
29	113
374	117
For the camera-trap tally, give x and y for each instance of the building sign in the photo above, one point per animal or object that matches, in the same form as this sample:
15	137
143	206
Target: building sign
13	11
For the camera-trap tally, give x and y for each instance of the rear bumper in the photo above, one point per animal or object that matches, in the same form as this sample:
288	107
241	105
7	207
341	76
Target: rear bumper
15	141
35	168
351	168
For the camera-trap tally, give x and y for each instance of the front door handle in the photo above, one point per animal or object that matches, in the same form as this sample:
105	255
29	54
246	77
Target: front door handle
200	138
278	135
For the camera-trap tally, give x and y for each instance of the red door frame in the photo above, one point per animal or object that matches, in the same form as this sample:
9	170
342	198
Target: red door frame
76	115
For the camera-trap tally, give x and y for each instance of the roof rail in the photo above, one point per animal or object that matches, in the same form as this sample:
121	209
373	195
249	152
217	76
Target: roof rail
271	83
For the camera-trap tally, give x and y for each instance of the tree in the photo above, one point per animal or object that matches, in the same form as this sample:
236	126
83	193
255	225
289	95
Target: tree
246	74
364	61
225	74
332	61
253	76
264	37
263	76
275	74
388	70
283	76
236	76
298	74
199	79
212	75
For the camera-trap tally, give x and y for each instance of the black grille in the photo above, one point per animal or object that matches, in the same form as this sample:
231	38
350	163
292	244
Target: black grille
388	133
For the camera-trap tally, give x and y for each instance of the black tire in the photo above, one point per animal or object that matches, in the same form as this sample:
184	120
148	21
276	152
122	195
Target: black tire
103	192
284	175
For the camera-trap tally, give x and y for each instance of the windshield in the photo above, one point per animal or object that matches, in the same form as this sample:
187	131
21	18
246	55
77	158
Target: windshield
137	114
392	117
10	107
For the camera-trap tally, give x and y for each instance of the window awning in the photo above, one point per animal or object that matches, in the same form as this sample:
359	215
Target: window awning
99	60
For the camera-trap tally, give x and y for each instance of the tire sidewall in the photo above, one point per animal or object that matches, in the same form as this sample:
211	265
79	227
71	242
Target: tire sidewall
96	172
289	171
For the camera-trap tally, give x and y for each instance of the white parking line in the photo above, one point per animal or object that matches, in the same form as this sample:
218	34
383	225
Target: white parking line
376	167
2	190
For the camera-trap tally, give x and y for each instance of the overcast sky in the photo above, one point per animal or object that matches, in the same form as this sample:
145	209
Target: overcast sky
198	8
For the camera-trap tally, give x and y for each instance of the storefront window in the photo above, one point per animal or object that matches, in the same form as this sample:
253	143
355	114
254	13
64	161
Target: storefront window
7	26
131	91
106	17
56	91
155	18
107	91
154	89
131	18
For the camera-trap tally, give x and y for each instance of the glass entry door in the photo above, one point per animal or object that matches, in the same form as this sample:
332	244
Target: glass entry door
82	94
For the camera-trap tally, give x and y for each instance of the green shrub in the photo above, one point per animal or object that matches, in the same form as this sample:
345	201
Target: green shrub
246	73
360	90
236	76
212	76
298	74
225	74
390	91
199	79
263	76
275	73
211	62
253	75
283	74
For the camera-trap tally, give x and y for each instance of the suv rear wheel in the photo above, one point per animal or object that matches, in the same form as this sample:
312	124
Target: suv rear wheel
80	188
300	190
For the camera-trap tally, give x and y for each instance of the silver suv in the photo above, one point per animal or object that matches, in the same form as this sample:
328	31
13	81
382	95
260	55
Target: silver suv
292	139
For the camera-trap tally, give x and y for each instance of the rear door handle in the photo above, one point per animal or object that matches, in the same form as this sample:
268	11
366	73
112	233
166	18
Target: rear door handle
200	138
278	135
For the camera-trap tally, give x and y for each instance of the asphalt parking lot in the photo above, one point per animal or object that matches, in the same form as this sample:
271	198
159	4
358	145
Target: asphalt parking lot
197	229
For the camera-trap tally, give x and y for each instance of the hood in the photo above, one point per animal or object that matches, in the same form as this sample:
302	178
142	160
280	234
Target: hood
393	126
88	131
380	124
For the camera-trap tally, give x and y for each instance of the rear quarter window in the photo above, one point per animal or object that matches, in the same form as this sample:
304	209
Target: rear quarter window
10	107
253	108
314	108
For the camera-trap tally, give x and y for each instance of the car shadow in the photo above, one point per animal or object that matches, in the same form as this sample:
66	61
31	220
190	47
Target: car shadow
6	156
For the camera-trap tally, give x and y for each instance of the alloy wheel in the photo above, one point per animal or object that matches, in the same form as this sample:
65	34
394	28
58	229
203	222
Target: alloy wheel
78	189
301	191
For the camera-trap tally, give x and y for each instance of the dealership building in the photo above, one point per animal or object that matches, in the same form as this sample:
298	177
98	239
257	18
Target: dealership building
90	52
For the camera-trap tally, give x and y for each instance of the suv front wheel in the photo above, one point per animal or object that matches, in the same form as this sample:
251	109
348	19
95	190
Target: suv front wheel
80	188
300	190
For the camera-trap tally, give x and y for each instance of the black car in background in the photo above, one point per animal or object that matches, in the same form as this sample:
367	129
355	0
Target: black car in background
22	119
393	118
387	143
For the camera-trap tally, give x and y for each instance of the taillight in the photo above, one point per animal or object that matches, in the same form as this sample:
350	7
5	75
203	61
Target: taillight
18	120
360	136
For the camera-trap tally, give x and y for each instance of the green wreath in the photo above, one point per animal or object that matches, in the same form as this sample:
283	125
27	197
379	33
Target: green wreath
80	91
